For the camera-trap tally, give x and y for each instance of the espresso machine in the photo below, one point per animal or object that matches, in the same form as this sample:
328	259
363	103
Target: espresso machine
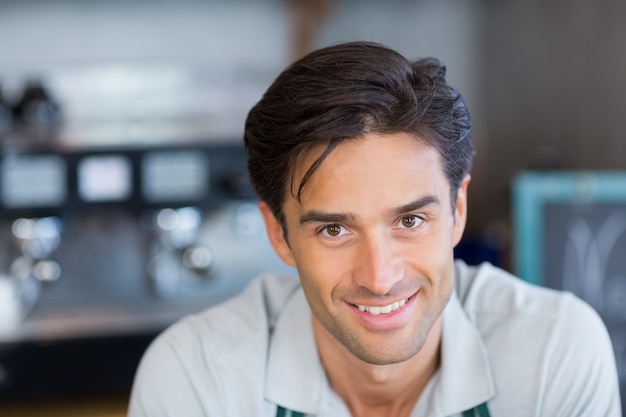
108	236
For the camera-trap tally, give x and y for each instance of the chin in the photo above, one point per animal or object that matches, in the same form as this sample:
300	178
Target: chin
375	356
388	360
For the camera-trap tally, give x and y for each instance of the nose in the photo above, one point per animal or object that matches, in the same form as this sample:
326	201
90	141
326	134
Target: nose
378	265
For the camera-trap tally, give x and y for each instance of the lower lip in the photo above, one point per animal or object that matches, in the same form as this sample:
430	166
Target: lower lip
389	321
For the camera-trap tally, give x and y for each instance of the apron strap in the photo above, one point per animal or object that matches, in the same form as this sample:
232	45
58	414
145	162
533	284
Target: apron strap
282	412
479	411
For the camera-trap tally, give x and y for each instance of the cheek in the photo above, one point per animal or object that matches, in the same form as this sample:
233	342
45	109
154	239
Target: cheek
433	257
319	268
438	243
324	275
319	282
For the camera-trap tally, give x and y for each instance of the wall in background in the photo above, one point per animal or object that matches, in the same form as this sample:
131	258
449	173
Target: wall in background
554	92
42	35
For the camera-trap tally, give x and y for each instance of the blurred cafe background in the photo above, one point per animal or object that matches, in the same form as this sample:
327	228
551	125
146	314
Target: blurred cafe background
124	198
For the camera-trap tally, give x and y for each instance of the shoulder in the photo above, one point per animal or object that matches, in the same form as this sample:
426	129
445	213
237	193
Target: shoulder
243	318
492	298
488	290
547	348
196	359
235	323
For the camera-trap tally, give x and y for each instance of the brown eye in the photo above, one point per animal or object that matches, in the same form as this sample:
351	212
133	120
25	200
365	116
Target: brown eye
333	230
410	222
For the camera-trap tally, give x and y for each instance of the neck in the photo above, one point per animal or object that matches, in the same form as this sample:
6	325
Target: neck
371	390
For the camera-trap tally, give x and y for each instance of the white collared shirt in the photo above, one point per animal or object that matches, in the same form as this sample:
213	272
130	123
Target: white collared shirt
526	351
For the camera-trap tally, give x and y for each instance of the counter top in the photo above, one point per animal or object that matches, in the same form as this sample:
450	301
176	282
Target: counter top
104	406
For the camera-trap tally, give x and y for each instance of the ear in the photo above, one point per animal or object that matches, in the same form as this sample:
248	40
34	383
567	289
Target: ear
276	235
460	212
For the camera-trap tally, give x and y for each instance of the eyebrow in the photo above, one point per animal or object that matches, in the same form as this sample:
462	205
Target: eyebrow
420	203
315	216
321	217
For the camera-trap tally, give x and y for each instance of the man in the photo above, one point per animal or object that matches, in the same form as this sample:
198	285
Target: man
361	160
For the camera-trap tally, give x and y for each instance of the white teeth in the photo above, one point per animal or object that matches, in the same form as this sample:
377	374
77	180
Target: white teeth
382	310
373	310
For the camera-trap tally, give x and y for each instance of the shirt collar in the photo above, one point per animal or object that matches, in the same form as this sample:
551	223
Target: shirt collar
292	354
463	381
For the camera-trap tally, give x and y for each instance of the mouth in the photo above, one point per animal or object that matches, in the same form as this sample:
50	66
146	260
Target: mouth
377	310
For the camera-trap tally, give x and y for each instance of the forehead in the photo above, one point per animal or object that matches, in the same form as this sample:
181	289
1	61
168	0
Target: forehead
372	161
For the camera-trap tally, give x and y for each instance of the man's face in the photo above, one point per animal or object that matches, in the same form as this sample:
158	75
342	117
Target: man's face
373	239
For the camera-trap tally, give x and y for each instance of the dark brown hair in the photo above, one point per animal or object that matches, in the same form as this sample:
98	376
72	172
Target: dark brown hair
342	92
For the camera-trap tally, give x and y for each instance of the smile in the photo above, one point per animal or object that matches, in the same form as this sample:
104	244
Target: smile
382	310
